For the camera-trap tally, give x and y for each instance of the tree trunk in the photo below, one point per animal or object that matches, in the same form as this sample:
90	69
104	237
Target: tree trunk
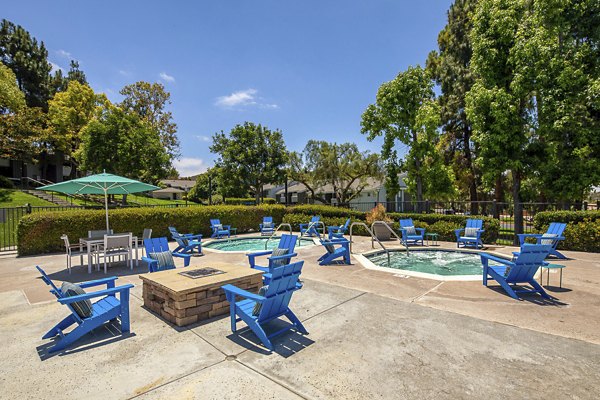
518	219
499	190
473	178
257	197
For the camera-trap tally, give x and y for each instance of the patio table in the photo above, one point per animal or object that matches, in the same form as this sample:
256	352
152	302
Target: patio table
92	242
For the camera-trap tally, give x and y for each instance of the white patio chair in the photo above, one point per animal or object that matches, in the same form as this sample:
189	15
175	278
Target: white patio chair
99	234
146	235
116	245
73	250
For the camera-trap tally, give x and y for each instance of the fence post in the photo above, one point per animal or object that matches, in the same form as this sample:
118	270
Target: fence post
495	213
28	208
426	206
585	206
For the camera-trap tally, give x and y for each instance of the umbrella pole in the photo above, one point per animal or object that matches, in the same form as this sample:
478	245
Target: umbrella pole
106	209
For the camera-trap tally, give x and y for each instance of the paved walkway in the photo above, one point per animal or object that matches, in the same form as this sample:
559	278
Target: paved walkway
372	335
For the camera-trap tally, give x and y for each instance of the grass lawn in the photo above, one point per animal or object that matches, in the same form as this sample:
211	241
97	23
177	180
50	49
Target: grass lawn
149	201
16	198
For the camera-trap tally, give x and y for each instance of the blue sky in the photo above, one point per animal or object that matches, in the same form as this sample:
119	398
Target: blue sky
308	68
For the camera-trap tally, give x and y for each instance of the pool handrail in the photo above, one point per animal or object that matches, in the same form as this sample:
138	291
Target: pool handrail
311	224
373	237
391	231
275	232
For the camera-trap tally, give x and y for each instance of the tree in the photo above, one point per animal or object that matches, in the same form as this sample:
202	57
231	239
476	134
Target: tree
11	98
342	166
28	60
21	133
68	113
121	143
405	111
59	82
251	154
450	67
148	101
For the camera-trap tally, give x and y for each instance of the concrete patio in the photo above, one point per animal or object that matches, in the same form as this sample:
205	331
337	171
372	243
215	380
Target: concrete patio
372	334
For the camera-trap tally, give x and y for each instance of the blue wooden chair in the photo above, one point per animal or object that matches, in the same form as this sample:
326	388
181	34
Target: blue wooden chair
109	307
552	237
411	236
521	270
187	242
311	228
158	245
337	232
333	253
267	227
219	230
287	242
274	303
470	236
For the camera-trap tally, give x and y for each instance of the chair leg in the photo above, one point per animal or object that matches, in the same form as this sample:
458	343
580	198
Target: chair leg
294	320
539	289
62	325
125	322
258	330
232	316
69	338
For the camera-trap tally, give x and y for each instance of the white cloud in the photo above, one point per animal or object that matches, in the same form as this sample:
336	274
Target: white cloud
188	166
56	67
64	54
243	98
166	77
124	72
203	138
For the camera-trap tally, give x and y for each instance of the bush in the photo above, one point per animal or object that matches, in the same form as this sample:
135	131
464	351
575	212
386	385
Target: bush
6	183
325	211
247	201
40	232
582	232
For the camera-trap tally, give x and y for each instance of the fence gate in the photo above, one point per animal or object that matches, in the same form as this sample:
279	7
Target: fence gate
9	220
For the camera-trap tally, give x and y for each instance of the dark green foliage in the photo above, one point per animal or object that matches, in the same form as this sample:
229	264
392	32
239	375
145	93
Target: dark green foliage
246	201
582	232
6	183
544	218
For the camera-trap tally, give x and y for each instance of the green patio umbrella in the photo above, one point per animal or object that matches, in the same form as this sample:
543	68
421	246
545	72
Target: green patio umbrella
100	184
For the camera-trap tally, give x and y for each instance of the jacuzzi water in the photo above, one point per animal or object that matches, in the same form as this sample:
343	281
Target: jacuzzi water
438	262
251	244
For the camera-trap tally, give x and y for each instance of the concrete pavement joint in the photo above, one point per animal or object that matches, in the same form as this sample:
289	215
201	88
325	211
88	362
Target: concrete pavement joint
337	305
427	292
273	380
175	380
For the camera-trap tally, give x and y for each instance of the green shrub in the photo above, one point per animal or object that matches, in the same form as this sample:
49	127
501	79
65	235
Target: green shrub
542	220
325	211
6	183
582	232
40	232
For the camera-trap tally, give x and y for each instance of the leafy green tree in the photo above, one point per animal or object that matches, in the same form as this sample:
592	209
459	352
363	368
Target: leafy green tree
11	98
342	166
68	113
251	154
148	101
202	189
60	82
28	59
21	133
405	111
451	69
121	143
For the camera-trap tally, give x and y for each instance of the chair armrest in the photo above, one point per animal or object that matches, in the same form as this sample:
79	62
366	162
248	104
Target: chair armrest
527	235
275	258
226	227
98	282
191	236
100	293
422	230
230	289
333	228
497	259
259	253
302	226
339	241
181	255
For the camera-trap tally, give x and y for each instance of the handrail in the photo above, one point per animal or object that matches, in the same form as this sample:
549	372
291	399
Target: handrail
391	231
311	224
387	252
275	231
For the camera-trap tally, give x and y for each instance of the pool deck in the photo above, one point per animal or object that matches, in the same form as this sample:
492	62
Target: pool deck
373	334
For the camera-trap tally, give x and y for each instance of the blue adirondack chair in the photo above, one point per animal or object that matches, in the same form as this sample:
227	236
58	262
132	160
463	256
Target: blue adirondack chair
552	237
311	228
187	242
106	309
267	227
275	303
334	253
521	270
337	232
219	230
287	242
473	240
407	238
158	245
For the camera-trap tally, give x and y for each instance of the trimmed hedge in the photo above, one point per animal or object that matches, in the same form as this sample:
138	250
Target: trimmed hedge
40	232
244	201
582	232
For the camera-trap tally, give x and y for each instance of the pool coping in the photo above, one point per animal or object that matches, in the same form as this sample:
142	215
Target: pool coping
362	259
211	250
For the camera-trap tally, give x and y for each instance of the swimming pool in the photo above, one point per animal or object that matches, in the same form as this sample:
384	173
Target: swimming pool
251	244
444	263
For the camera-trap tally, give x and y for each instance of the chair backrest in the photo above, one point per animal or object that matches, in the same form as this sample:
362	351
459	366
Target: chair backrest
66	239
156	245
174	232
267	220
147	234
530	258
214	222
99	233
49	282
474	223
117	241
315	218
281	287
287	242
346	225
406	222
556	228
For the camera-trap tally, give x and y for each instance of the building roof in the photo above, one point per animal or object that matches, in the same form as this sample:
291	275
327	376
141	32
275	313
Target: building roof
179	183
169	190
372	184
